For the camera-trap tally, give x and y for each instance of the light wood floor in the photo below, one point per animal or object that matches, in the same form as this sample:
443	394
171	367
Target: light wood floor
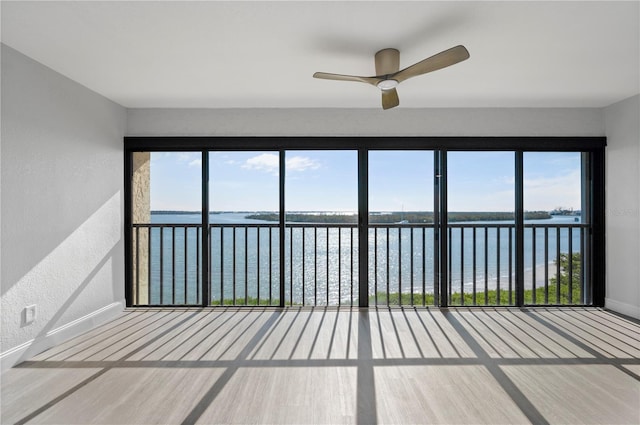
304	366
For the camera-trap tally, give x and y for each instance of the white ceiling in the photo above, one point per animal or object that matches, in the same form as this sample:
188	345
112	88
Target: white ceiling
262	54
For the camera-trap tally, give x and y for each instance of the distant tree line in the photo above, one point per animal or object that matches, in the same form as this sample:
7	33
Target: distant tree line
398	217
307	218
172	212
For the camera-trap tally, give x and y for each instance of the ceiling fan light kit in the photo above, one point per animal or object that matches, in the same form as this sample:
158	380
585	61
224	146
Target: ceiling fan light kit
387	84
388	73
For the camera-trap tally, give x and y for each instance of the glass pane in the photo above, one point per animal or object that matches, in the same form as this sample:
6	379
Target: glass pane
401	240
244	216
555	228
321	236
167	230
481	231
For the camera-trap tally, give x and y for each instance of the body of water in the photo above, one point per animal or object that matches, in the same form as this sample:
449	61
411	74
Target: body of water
321	263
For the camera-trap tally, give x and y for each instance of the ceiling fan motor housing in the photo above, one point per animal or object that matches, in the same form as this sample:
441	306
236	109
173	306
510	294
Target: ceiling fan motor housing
387	61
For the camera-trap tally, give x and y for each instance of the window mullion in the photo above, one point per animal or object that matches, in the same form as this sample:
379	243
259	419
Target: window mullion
206	243
519	217
281	232
363	227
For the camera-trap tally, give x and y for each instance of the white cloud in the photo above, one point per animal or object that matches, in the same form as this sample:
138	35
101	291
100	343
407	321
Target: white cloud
541	193
547	193
191	159
270	163
301	163
183	156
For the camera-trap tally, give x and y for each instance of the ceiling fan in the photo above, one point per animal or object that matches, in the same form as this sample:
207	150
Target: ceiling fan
388	73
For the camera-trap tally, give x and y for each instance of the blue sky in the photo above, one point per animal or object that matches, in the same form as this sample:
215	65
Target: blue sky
398	180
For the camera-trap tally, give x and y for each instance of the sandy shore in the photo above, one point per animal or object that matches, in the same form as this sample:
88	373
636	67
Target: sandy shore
540	275
504	279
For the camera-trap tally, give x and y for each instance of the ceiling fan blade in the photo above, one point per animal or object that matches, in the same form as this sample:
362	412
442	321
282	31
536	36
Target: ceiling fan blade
433	63
390	99
342	77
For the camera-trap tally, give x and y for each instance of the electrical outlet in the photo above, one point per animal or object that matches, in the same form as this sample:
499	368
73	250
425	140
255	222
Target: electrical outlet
29	314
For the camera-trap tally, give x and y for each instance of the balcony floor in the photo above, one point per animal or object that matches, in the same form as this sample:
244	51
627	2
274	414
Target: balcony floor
492	366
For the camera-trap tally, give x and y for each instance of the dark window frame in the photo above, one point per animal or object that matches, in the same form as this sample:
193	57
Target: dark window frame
594	147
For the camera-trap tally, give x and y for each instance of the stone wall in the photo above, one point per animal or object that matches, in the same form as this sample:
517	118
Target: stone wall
141	211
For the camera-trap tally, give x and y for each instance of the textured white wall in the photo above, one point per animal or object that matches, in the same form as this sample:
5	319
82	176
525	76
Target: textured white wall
62	207
623	206
366	122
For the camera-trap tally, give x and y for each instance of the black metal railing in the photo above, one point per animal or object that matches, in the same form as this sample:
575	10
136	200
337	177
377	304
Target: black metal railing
562	260
401	264
481	264
320	264
167	264
244	264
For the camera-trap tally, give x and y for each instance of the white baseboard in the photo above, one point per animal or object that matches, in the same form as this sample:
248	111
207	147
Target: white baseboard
622	308
58	335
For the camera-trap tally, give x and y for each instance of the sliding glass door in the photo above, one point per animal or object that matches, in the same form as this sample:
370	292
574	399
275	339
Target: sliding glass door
321	231
166	231
557	228
401	228
481	228
244	234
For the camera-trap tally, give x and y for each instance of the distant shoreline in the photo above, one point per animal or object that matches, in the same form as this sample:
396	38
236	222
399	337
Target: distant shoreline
405	217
